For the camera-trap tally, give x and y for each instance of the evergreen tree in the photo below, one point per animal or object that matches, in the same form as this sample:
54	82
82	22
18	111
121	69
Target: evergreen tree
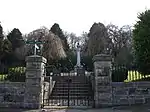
1	33
141	42
15	37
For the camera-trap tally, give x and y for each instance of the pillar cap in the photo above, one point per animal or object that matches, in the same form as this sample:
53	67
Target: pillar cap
36	58
102	57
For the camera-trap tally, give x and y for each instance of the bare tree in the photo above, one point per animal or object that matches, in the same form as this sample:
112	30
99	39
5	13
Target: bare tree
73	39
121	40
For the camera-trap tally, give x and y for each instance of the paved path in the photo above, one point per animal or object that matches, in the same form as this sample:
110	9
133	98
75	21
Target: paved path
118	109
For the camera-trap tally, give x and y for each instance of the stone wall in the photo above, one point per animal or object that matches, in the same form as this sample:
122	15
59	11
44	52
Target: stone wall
28	94
12	94
108	93
130	93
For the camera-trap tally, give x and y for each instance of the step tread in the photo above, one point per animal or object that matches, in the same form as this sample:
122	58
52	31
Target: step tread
66	90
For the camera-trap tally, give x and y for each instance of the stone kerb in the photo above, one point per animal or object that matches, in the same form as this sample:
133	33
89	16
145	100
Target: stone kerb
35	70
102	73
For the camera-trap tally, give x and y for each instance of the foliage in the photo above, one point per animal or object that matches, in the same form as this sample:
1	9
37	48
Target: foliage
65	64
3	77
16	74
141	42
1	33
98	40
16	39
87	63
58	31
6	49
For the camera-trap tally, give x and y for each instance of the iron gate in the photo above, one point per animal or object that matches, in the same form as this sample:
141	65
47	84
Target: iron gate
68	89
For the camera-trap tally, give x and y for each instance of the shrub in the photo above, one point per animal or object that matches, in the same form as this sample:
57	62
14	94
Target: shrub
16	74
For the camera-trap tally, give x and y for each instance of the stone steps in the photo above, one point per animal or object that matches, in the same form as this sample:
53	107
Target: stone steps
71	90
60	97
79	89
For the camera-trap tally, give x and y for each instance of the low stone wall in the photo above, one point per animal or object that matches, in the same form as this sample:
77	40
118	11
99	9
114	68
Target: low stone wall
130	93
12	94
121	93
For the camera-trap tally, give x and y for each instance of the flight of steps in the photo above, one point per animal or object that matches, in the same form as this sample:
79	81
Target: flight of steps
80	92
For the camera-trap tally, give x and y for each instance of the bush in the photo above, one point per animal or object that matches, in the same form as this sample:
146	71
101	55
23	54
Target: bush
16	74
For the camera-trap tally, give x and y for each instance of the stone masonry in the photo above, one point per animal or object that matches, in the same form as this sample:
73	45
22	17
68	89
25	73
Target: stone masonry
108	93
12	94
29	94
103	90
35	70
130	93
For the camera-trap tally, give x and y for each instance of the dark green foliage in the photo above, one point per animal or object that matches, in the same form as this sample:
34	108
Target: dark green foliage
6	49
141	42
119	73
58	31
16	74
16	39
1	41
87	63
64	64
1	33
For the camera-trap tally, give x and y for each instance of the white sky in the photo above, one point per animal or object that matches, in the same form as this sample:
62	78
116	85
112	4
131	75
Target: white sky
72	15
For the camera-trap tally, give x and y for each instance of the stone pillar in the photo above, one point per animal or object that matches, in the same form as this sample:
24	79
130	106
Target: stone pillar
35	69
102	71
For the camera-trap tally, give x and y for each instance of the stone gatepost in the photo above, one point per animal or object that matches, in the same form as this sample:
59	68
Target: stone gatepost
103	89
35	69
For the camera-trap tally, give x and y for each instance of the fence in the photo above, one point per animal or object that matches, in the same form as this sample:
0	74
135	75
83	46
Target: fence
123	73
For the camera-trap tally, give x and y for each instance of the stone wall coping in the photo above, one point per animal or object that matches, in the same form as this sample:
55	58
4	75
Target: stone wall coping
12	83
36	58
130	84
102	57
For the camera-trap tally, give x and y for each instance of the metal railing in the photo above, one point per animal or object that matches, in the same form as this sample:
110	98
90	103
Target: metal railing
123	73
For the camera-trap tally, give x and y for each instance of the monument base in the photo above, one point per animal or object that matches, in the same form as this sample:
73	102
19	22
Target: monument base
79	70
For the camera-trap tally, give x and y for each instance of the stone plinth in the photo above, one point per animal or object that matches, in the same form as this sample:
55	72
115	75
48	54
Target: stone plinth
35	70
103	89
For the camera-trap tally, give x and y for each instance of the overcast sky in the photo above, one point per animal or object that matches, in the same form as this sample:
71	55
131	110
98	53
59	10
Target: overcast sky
72	15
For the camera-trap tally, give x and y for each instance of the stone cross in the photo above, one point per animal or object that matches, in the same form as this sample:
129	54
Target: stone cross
78	56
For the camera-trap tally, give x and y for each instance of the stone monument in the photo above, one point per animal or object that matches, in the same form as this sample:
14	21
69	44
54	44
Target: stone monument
78	56
79	68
